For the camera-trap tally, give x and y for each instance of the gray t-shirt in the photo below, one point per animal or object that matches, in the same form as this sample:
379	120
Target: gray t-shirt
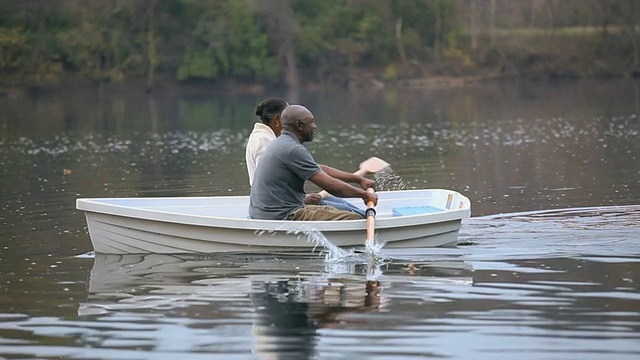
278	183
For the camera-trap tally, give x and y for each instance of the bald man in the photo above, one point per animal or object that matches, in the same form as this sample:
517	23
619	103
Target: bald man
278	193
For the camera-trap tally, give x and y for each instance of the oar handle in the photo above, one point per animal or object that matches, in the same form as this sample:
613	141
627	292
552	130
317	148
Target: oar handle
325	193
370	205
371	219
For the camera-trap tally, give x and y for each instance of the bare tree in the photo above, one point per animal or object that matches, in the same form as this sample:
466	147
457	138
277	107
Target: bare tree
627	13
282	29
437	31
399	45
492	23
152	50
475	26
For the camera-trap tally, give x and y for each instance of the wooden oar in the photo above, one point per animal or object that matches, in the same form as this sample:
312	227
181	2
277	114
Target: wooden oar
370	166
371	220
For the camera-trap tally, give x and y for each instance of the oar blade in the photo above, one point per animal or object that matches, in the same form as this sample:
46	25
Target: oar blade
373	165
370	166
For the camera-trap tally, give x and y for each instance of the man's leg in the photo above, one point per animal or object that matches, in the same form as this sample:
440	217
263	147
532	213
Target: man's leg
342	204
322	212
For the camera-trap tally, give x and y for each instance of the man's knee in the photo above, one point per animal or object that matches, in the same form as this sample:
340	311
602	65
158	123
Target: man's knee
323	213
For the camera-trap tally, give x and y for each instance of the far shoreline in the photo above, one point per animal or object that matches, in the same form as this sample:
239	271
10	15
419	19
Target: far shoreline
366	82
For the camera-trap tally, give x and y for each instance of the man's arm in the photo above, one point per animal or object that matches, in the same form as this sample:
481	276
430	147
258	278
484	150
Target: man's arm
340	188
348	177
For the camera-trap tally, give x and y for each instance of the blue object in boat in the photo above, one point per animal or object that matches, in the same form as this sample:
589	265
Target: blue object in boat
414	210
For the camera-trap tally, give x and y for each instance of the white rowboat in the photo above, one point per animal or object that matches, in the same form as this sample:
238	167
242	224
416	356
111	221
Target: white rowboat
173	225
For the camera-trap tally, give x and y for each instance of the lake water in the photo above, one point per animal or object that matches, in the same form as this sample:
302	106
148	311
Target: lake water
548	266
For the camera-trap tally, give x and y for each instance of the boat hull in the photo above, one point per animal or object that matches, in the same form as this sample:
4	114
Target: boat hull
172	229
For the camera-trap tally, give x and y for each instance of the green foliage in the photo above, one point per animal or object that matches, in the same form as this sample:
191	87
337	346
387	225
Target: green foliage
390	72
226	41
337	37
112	40
197	39
13	49
27	46
420	18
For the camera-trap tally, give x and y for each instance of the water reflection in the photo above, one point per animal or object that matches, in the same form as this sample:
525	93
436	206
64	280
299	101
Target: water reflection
139	278
283	302
290	312
554	266
549	282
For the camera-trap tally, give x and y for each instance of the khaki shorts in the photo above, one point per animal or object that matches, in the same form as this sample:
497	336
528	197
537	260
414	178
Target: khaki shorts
322	212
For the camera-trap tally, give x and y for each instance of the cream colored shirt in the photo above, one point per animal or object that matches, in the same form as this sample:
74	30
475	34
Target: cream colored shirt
259	139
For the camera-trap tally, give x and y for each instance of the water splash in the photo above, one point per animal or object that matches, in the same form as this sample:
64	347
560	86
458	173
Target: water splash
373	247
388	180
374	259
87	255
335	254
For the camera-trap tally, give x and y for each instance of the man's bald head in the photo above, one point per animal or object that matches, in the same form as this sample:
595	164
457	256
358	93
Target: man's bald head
295	113
300	121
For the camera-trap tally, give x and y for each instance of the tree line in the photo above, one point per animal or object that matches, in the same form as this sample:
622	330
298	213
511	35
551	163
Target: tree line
284	41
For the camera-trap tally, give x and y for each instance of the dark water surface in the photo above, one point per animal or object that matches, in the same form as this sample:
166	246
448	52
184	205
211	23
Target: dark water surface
548	266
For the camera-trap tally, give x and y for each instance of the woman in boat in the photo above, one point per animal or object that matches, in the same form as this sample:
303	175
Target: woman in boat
264	133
